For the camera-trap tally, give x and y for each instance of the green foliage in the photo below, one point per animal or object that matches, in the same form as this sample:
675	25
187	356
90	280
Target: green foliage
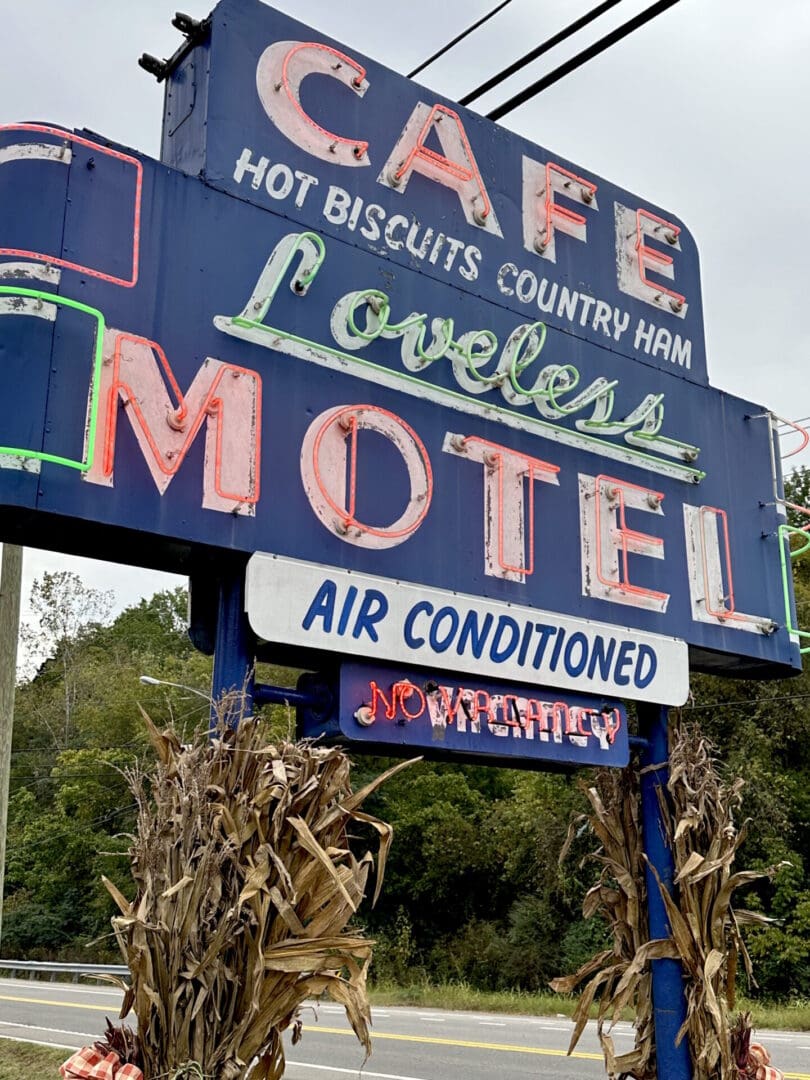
77	726
474	894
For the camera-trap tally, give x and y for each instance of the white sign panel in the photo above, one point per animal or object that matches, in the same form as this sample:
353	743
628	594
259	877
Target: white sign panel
319	607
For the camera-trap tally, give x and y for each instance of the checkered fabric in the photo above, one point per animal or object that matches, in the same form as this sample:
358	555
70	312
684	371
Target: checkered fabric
760	1059
89	1064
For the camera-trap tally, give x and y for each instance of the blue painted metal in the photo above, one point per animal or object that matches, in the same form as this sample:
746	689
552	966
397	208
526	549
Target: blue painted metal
201	253
408	710
669	999
232	683
264	694
225	119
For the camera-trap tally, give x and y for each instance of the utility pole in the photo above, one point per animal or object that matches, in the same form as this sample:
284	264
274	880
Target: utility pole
10	587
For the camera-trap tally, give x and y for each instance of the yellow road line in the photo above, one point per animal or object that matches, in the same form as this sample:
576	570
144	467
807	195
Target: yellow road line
60	1004
433	1040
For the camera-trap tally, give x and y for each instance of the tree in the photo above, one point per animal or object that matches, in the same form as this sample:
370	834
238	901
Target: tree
66	611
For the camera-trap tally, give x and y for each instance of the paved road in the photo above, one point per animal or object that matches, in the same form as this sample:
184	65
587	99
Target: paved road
409	1044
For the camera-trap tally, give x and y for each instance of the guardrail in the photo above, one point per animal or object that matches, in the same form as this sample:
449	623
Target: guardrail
46	967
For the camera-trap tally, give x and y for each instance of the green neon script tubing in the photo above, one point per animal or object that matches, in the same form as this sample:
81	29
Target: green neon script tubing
64	301
785	532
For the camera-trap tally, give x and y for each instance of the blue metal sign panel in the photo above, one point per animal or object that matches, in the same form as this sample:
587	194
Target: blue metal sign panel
186	371
277	114
430	712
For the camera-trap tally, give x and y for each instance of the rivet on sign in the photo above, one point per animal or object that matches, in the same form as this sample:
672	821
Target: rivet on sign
341	528
587	195
393	179
480	217
540	242
299	286
357	82
359	152
671	236
364	716
653	501
347	422
459	443
675	304
375	303
333	148
277	87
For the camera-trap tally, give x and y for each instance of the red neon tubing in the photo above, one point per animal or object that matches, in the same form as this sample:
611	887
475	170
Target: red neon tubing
136	225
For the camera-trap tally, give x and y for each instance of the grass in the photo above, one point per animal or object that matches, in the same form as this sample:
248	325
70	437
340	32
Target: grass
21	1061
793	1016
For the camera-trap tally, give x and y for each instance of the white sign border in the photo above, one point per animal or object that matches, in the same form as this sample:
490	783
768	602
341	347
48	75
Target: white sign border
279	591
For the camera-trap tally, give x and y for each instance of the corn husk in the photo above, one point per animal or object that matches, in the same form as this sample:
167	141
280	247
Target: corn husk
245	883
698	814
620	976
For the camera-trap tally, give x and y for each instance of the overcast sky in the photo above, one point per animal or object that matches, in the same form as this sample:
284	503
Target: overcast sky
703	111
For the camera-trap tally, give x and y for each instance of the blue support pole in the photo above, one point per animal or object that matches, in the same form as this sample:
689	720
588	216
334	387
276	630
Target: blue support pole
668	992
234	648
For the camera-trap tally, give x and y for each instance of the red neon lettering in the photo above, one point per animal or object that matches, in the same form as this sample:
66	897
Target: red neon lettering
455	168
504	473
629	541
68	136
225	397
377	695
568	221
482	703
536	713
581	714
447	702
459	172
613	722
728	609
282	68
404	690
559	718
652	259
324	461
509	710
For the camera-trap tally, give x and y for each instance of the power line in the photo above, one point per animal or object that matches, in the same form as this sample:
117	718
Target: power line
745	701
555	39
456	40
582	57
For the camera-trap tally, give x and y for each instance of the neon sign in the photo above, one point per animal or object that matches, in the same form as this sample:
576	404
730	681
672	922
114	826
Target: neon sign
60	153
565	517
424	711
433	183
470	354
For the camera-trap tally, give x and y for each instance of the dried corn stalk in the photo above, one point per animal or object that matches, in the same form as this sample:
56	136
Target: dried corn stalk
245	885
698	812
705	926
620	976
